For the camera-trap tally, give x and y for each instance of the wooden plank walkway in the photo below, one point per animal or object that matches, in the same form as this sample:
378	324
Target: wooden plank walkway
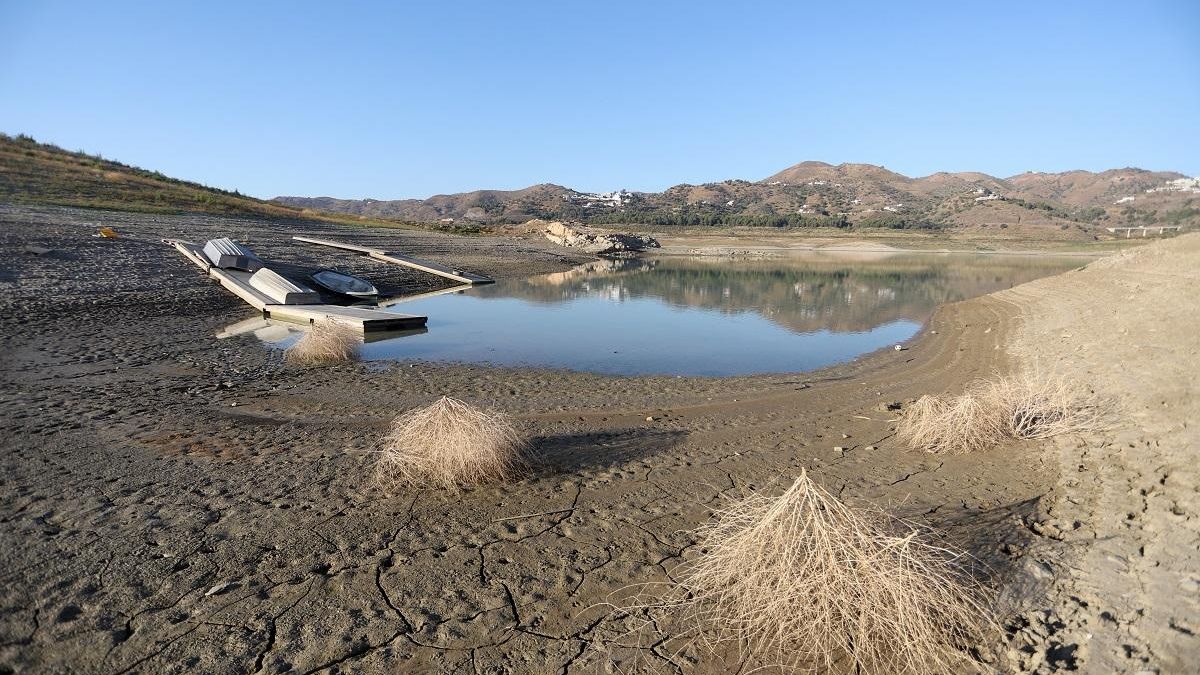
237	282
431	267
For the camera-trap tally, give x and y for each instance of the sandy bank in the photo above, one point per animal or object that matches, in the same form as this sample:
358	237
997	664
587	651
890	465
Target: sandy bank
1122	527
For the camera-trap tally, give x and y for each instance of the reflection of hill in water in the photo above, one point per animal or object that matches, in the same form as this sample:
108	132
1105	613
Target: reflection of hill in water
804	295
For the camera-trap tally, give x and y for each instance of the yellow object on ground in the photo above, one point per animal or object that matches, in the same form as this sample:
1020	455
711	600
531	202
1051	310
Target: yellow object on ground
108	233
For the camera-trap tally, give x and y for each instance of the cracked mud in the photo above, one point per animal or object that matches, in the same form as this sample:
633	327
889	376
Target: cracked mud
153	526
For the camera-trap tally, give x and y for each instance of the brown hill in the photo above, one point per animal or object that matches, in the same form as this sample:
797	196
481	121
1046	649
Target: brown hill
41	173
1074	205
480	205
943	184
805	172
1087	189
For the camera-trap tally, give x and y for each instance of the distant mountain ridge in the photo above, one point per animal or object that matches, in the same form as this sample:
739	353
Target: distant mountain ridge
1067	205
816	193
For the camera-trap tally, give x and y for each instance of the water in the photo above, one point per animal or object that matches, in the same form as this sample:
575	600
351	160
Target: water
704	316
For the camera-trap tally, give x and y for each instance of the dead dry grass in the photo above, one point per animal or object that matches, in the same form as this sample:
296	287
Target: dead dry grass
1037	406
326	343
1026	406
450	444
808	583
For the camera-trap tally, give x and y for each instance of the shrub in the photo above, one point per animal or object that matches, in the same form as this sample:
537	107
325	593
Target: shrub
960	424
808	582
449	444
328	342
1027	406
1037	406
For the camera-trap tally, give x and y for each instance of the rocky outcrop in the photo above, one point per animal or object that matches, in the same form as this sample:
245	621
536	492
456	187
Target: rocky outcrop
595	241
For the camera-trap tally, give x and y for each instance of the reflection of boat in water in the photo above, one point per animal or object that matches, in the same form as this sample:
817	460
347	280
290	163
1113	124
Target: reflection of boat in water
272	331
345	284
263	329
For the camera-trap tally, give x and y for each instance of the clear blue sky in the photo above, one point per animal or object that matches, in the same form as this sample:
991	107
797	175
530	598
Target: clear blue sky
391	100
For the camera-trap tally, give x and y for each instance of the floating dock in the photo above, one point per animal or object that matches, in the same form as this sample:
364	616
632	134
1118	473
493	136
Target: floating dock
238	282
399	259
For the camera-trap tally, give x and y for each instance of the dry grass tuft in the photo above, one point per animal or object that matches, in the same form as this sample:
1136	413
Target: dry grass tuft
326	343
449	444
1031	405
960	424
811	583
1036	406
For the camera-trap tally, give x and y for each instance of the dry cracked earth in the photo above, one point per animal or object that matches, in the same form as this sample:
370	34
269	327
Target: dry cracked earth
171	502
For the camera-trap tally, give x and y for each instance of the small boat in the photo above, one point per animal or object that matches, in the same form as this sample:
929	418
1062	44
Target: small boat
228	254
281	289
345	284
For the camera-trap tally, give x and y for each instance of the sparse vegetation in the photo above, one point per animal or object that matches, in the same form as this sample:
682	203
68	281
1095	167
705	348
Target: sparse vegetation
326	343
42	173
715	217
1041	406
1027	406
951	425
450	444
808	582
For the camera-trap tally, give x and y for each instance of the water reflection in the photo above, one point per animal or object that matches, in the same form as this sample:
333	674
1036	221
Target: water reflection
284	333
842	292
703	316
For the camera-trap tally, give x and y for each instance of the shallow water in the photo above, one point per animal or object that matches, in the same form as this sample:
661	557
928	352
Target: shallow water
704	316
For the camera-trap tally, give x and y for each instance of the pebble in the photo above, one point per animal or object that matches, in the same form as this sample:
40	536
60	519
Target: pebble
220	588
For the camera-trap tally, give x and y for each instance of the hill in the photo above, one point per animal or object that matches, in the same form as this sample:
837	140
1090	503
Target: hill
41	173
1073	204
1068	205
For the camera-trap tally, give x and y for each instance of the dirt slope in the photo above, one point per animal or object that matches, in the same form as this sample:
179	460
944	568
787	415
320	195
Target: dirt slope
1123	532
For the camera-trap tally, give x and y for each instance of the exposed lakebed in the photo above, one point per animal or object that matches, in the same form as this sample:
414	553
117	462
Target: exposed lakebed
702	316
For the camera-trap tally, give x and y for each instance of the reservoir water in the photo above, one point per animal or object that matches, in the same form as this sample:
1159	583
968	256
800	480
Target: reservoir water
704	316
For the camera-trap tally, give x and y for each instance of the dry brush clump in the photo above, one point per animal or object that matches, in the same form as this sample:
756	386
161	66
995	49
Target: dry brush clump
1026	406
326	343
1038	406
809	583
450	444
960	424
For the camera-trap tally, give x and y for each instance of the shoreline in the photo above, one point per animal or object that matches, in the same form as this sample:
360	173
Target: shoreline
675	247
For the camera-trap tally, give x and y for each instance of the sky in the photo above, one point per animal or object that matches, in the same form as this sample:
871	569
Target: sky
409	99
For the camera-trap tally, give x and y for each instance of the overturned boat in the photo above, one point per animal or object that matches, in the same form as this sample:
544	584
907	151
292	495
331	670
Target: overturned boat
281	289
228	254
345	284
